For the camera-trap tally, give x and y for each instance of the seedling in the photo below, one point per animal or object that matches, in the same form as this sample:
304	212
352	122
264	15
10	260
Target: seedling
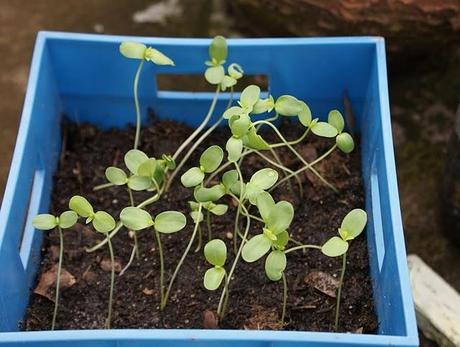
103	223
352	226
136	50
48	222
276	217
167	222
215	253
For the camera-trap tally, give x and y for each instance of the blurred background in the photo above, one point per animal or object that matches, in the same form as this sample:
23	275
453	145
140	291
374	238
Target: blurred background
423	52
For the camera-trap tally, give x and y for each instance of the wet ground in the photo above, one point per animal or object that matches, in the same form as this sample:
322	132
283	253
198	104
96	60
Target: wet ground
423	98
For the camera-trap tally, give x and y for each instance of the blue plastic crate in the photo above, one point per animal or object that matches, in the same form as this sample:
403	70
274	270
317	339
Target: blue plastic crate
84	77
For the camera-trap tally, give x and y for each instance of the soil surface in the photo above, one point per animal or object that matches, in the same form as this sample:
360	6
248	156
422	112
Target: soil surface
255	301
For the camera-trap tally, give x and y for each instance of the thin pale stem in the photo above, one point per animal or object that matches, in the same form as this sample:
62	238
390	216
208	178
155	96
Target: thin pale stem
200	239
112	281
225	304
181	261
296	248
103	186
131	258
285	295
221	309
58	276
310	167
136	103
339	291
162	268
201	127
199	141
208	224
149	201
292	149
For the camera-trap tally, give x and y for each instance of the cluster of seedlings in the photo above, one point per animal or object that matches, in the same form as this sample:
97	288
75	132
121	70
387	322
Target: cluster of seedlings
155	175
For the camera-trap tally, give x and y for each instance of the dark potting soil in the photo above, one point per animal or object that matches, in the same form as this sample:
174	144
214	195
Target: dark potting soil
255	301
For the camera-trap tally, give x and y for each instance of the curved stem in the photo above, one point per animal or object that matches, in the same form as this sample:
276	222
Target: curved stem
136	104
199	141
285	295
310	167
339	291
112	281
181	261
58	276
103	186
131	258
296	248
292	149
202	125
162	267
282	167
146	202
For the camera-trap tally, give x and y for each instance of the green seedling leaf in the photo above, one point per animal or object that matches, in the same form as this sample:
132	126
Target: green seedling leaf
249	96
139	183
116	176
218	50
155	56
334	247
133	159
234	149
280	217
235	71
170	222
324	129
67	219
227	82
305	115
239	125
82	206
211	158
214	193
236	188
196	216
135	218
44	221
336	120
345	142
256	248
193	205
103	222
214	74
264	105
281	241
265	204
169	161
147	168
219	209
255	141
275	264
213	278
233	111
133	50
192	177
287	105
229	178
265	178
353	224
215	252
